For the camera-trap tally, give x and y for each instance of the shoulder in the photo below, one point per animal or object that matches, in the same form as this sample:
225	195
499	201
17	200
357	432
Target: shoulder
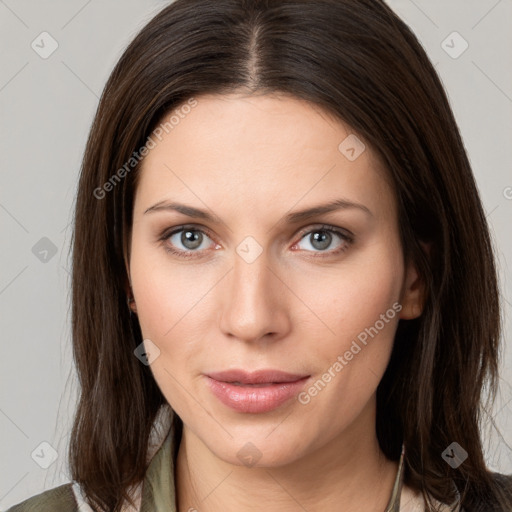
60	499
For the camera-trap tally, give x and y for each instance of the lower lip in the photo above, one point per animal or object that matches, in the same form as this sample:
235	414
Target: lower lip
253	399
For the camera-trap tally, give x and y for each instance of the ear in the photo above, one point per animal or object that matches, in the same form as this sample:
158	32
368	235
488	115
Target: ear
128	281
413	291
129	294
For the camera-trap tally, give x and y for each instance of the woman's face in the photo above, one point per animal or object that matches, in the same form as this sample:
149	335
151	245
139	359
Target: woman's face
250	284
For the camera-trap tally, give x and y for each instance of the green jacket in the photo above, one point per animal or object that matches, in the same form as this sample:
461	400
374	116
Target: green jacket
158	490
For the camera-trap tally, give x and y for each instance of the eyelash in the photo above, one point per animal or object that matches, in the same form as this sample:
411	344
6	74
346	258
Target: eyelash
347	238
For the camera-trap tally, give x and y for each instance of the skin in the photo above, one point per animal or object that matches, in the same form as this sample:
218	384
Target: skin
251	160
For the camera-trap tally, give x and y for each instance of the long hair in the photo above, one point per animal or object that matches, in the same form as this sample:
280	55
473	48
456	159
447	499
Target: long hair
357	60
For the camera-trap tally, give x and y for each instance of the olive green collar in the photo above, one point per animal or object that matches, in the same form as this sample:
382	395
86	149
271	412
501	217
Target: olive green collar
158	490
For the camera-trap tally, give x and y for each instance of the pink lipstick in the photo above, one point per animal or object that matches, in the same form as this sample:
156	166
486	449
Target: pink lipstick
255	392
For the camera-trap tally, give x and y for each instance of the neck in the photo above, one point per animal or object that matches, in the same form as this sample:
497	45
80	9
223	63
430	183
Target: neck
358	478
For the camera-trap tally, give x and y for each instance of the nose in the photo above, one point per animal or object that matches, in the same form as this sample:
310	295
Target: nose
255	302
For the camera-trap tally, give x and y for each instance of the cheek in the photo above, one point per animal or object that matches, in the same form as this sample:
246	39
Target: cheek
176	311
361	307
352	297
165	293
171	309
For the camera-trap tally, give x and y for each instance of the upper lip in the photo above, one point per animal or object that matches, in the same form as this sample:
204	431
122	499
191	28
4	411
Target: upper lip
255	377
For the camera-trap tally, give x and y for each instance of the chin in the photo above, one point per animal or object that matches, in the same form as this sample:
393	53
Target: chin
256	448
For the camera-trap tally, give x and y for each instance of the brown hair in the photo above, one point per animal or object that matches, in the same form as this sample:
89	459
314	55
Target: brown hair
360	62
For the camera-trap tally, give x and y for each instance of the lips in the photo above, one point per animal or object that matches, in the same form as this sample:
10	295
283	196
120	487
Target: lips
242	377
255	392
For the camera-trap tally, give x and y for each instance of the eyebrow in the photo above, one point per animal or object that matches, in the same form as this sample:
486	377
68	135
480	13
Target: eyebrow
290	218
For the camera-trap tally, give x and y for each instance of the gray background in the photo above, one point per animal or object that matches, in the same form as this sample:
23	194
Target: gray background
46	108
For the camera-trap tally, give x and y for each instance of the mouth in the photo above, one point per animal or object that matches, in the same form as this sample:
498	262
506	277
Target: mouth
253	385
264	377
255	392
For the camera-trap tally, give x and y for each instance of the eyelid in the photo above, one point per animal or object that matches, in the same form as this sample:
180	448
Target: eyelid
166	233
327	227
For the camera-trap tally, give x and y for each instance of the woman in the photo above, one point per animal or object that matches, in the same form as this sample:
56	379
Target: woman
284	292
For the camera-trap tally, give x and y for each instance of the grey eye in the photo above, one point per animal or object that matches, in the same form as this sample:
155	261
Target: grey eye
190	239
320	239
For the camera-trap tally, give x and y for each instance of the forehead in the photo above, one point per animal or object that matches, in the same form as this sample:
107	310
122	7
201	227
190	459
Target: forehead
256	151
